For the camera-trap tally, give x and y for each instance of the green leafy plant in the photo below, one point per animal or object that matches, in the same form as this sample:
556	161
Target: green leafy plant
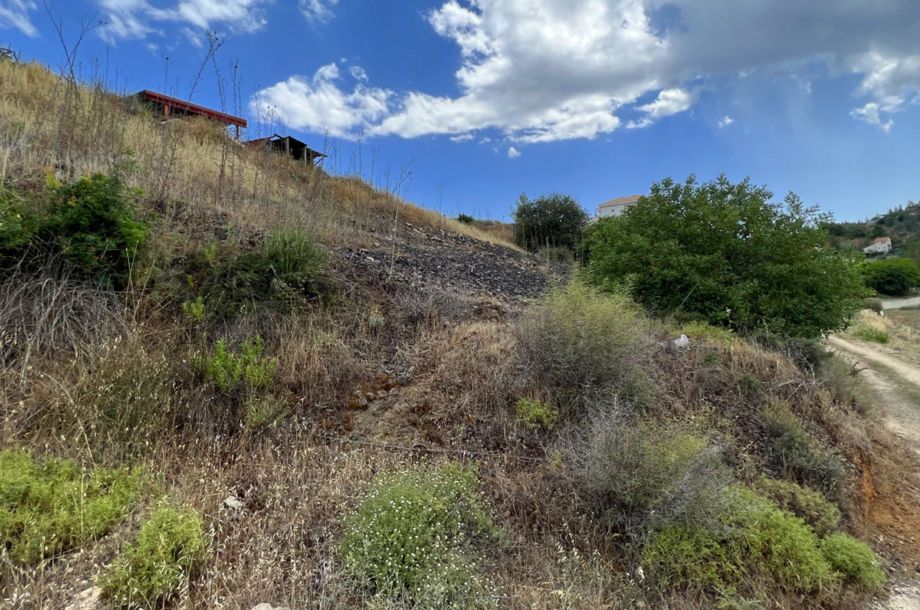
892	276
466	219
92	223
228	370
170	547
867	333
17	225
854	560
810	505
536	414
50	506
283	271
552	220
195	310
413	537
726	254
754	538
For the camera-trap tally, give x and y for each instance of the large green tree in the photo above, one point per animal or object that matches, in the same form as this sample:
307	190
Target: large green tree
727	254
550	221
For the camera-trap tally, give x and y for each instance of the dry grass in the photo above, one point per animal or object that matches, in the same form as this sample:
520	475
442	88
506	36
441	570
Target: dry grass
49	125
111	378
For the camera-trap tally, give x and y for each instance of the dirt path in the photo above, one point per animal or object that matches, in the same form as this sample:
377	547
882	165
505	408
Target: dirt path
901	303
894	381
896	385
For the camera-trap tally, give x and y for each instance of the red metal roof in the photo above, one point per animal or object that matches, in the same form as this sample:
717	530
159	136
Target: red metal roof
189	107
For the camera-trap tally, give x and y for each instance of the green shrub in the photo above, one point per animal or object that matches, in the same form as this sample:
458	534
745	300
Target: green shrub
466	219
536	414
286	269
892	276
92	223
229	370
727	254
796	453
580	344
17	226
755	539
703	331
867	333
50	506
553	220
412	538
854	560
810	505
169	548
645	473
195	310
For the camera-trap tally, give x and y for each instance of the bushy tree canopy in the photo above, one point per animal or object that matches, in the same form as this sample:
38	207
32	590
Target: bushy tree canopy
724	253
892	276
550	221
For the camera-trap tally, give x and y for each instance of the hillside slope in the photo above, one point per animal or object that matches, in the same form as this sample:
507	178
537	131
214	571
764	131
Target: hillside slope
902	225
228	380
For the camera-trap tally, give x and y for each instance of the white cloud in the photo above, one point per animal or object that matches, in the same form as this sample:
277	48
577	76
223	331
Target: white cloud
669	101
16	14
132	19
319	105
871	113
318	11
725	121
513	153
546	70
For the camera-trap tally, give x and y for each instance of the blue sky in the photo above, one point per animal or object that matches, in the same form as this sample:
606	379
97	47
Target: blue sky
469	103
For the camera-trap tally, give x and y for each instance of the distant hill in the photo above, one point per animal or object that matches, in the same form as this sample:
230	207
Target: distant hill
901	224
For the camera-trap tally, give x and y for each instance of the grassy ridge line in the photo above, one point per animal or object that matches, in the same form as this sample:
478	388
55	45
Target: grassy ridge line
49	126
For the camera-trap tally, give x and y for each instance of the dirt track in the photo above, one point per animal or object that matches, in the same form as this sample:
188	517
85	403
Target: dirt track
896	386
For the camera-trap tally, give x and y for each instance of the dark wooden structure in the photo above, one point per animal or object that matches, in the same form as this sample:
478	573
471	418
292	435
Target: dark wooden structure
173	107
290	146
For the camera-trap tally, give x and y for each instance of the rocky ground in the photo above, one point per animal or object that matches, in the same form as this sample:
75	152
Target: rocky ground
429	258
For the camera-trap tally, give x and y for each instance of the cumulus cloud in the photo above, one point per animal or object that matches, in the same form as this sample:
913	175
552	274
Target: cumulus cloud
319	104
16	14
547	70
669	101
317	11
513	153
725	121
126	19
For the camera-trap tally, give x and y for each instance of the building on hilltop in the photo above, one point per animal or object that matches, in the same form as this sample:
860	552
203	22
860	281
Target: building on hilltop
880	245
171	107
290	146
616	207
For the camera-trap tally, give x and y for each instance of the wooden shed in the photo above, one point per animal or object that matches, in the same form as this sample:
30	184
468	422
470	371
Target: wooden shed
290	146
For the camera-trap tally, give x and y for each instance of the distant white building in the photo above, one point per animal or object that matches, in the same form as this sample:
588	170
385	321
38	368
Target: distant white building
880	245
617	206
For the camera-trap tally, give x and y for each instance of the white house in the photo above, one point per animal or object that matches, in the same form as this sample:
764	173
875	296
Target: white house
880	245
617	206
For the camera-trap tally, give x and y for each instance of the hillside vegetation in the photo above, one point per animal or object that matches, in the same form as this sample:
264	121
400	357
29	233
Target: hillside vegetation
901	224
232	379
